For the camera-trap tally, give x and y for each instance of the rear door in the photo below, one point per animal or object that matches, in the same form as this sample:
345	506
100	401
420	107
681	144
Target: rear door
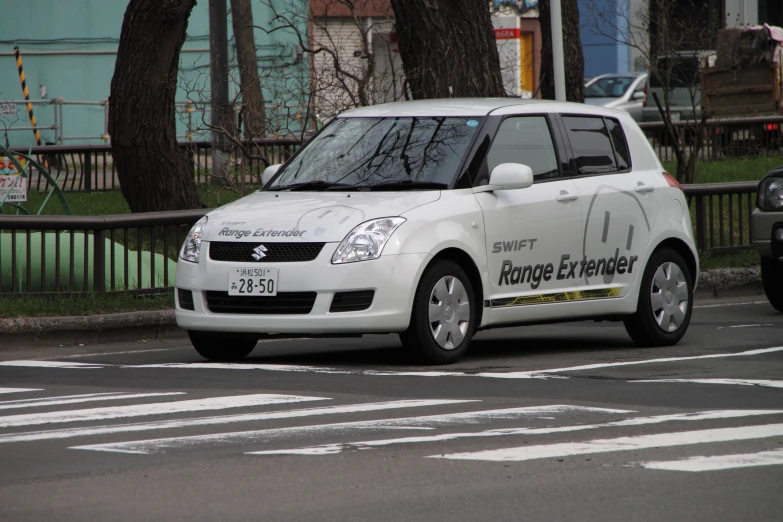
619	205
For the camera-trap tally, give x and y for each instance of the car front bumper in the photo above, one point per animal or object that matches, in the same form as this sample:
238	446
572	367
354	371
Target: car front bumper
763	225
393	279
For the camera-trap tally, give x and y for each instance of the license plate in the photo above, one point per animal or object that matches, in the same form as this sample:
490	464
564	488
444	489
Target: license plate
741	134
252	281
675	116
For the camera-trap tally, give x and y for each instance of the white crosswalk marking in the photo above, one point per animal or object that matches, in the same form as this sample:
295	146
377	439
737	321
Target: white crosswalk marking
19	390
100	414
220	420
51	364
427	422
330	449
74	399
740	382
720	462
659	440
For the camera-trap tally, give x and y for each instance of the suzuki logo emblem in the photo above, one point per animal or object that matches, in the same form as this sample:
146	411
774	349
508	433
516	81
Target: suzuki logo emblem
258	252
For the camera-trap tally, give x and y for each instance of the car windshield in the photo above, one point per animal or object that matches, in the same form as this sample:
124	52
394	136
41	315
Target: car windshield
381	154
611	87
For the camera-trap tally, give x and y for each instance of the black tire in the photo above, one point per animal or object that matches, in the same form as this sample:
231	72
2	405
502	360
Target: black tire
215	347
456	320
772	280
643	326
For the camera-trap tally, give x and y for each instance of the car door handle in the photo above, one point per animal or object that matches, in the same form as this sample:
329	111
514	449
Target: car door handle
643	188
565	197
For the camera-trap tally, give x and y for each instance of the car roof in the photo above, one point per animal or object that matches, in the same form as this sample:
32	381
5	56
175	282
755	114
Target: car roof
467	107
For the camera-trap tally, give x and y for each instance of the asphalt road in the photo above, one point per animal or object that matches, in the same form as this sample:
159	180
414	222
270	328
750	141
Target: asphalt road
558	422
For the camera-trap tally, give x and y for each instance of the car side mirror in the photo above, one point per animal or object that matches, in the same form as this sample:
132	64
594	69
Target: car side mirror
269	173
638	95
508	176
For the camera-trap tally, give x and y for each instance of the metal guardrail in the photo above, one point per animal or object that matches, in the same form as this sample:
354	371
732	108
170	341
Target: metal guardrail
56	255
45	255
91	167
721	217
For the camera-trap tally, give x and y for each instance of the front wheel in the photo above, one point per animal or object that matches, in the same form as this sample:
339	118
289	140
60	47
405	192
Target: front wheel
772	280
665	301
214	347
443	318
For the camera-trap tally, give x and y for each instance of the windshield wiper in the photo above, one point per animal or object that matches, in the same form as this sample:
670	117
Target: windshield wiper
406	184
310	185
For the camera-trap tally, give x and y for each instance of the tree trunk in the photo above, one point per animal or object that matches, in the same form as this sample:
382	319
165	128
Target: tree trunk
448	48
154	173
253	117
572	52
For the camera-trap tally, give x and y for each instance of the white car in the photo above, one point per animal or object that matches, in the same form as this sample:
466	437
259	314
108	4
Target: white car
437	218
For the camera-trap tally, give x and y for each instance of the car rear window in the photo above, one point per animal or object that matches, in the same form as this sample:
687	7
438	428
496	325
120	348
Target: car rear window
598	144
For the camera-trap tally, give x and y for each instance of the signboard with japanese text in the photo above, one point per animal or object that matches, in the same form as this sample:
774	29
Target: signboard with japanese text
13	186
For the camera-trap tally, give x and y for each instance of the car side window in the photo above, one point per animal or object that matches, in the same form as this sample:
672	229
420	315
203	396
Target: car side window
526	140
591	144
622	155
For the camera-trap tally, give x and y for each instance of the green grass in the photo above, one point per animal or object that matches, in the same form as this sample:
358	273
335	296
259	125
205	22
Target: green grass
744	169
742	259
90	305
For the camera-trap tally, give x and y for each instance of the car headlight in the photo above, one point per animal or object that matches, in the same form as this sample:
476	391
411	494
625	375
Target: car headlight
770	195
191	248
366	241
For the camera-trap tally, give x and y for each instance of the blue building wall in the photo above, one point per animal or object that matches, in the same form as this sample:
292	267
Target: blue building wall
602	26
77	41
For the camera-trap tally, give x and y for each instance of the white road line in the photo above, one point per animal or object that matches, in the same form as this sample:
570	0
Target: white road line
74	399
219	420
161	408
740	382
639	442
531	374
51	364
720	462
330	449
426	422
19	390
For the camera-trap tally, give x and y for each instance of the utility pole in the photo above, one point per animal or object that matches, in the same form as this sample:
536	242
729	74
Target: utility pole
222	116
556	17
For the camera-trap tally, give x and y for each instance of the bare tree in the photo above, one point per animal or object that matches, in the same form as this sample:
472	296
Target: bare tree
448	48
669	36
252	113
154	173
354	64
572	52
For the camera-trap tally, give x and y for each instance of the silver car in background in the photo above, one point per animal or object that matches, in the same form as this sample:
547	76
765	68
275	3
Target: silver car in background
618	91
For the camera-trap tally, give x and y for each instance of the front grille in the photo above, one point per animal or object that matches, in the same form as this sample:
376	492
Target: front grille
284	303
185	298
274	253
352	301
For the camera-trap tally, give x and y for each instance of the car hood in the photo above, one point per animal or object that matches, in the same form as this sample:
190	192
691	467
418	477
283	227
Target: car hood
287	217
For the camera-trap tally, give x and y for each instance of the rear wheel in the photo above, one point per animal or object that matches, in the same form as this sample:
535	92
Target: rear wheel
443	318
665	301
215	347
772	280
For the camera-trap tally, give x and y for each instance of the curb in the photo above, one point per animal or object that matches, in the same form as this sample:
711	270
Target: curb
26	332
45	332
